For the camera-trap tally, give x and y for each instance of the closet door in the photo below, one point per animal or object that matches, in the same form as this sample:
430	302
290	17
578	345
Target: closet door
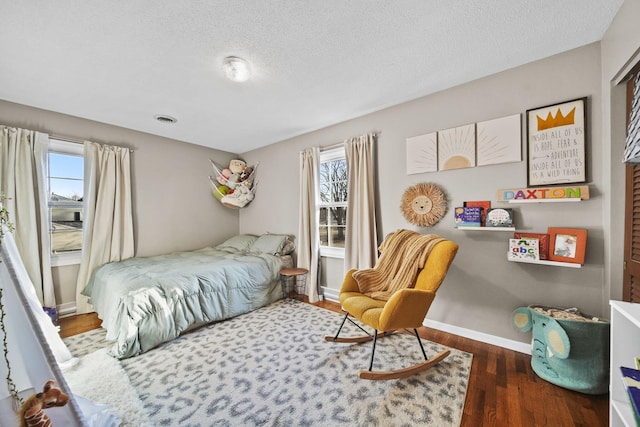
631	284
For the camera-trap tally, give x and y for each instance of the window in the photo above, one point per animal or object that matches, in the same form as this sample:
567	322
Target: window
66	209
333	202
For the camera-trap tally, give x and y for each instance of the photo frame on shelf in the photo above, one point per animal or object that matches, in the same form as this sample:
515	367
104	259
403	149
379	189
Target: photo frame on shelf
567	244
556	144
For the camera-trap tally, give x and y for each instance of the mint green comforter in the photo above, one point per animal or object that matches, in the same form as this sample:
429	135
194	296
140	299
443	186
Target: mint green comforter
144	302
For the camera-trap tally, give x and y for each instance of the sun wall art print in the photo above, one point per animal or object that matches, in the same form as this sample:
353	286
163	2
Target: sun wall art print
457	147
422	153
499	140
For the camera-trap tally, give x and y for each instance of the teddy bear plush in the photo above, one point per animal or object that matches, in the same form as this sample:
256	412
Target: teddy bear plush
237	166
241	196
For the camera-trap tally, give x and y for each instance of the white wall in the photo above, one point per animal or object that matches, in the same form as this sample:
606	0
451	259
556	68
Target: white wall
172	201
482	288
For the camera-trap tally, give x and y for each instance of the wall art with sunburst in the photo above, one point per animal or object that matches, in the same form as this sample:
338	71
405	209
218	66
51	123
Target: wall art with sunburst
499	140
422	153
490	142
457	147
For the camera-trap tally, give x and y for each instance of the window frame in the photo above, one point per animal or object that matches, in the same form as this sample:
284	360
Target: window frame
58	146
330	155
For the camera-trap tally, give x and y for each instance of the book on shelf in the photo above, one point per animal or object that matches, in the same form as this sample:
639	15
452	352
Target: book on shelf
631	379
484	204
543	242
468	216
499	217
524	249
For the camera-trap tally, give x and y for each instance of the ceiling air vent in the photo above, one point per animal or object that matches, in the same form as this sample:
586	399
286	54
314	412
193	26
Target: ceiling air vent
162	118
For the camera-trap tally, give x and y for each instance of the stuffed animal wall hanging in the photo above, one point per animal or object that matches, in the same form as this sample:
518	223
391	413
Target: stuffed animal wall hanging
234	185
31	414
424	204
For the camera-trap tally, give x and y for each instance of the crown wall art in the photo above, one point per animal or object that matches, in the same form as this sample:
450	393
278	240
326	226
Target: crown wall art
556	152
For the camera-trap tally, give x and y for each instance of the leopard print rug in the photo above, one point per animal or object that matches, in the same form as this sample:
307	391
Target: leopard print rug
272	367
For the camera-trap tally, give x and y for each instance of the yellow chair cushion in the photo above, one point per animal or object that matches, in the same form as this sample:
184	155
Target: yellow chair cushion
359	304
406	308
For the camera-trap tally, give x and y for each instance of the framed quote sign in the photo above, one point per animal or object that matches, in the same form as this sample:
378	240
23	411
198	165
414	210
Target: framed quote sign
556	151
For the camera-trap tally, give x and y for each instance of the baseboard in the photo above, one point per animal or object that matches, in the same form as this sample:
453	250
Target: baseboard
333	295
66	309
330	294
479	336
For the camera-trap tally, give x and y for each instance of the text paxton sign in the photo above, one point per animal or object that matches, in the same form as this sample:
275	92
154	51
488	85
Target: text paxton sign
579	192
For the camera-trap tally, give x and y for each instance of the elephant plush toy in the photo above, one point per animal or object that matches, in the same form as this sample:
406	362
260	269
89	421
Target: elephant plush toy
569	349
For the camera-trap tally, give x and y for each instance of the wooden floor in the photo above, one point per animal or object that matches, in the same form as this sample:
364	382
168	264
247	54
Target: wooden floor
503	390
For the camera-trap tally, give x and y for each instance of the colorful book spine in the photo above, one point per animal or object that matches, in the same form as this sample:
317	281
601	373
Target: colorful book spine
468	216
543	242
499	217
484	204
631	379
523	249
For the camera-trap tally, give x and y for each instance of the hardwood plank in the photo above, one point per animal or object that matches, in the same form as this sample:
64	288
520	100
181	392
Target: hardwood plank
503	390
74	325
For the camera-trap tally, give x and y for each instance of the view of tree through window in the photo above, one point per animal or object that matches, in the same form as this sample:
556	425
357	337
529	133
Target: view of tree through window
333	202
66	187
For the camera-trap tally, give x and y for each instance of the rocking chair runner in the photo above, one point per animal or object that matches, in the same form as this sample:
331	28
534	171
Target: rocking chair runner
406	308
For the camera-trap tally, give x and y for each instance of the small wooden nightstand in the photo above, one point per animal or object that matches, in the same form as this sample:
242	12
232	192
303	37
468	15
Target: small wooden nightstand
299	286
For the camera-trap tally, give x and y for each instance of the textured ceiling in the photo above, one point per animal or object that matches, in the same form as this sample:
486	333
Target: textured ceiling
314	62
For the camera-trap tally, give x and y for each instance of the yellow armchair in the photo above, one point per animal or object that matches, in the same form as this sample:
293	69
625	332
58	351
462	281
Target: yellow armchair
405	308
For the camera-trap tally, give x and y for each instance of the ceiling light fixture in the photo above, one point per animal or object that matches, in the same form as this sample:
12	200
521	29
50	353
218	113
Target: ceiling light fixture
236	69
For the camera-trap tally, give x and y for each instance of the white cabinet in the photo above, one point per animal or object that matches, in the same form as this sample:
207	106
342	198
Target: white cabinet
625	347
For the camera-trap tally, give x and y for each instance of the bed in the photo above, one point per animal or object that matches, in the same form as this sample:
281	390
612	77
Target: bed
144	302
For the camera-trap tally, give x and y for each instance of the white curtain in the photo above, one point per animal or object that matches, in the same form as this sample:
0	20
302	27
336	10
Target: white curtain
108	220
361	244
308	234
23	169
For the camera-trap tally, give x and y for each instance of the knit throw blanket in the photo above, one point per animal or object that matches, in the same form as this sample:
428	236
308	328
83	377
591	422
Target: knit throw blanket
403	254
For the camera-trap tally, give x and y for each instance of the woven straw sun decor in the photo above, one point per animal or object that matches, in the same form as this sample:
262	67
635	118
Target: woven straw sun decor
424	204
